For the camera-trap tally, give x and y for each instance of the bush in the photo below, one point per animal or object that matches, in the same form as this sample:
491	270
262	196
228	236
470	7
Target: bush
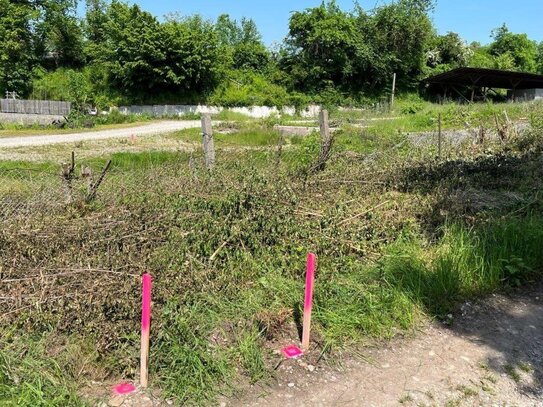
247	88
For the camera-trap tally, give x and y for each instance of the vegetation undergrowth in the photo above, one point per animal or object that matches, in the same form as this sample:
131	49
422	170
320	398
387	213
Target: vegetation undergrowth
227	251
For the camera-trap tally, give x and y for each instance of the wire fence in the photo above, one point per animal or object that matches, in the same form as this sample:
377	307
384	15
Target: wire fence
64	225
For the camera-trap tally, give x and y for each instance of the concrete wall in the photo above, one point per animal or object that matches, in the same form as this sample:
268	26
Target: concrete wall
257	112
526	95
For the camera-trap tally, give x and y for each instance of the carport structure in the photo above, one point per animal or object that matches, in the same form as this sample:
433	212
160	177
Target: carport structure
487	80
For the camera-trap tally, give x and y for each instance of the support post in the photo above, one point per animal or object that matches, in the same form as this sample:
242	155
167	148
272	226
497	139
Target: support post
326	140
439	135
208	143
393	95
93	189
68	171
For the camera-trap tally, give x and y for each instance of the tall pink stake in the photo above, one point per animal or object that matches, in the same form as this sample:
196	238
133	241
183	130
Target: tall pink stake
308	303
145	330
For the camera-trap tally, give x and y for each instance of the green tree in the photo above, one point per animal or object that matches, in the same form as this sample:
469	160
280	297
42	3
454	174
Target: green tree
540	58
59	35
94	26
399	35
194	60
481	57
142	55
321	48
449	50
17	56
520	48
242	43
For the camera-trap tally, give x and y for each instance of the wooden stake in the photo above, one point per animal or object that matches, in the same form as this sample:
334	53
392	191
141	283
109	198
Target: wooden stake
209	145
326	140
145	330
308	303
68	172
93	189
439	137
393	95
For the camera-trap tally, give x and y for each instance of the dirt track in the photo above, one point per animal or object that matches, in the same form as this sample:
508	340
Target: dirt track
145	130
490	355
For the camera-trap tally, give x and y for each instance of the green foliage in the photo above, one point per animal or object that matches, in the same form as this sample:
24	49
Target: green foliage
399	34
466	263
121	54
322	47
63	84
16	53
518	49
227	250
540	58
59	35
328	48
248	88
449	51
156	56
243	43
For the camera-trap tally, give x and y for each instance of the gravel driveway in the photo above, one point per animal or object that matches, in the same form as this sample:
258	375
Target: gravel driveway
145	130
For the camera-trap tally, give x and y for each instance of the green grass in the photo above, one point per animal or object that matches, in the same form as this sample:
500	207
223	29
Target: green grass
29	377
231	116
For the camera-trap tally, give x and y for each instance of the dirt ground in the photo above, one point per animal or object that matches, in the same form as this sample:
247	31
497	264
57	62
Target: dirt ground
489	353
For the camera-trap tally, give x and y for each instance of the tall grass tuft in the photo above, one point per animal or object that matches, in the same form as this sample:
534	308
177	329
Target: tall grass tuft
466	262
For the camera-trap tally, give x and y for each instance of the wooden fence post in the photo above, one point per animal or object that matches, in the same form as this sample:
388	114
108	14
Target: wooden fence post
68	171
326	140
209	145
93	189
439	135
393	95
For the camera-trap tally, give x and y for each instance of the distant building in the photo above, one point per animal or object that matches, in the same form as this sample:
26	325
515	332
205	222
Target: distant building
473	84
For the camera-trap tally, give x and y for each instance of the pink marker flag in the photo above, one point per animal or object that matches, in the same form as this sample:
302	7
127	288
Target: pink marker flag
145	329
308	303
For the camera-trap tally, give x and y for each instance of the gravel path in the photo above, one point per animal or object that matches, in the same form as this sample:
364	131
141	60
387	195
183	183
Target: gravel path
145	130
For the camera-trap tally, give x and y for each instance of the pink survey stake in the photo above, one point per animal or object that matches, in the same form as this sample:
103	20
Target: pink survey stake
146	303
145	329
292	352
308	303
309	282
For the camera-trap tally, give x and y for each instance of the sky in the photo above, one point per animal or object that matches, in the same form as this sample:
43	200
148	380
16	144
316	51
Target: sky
472	19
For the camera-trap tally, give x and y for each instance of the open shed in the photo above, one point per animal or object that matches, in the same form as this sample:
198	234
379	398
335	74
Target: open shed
521	85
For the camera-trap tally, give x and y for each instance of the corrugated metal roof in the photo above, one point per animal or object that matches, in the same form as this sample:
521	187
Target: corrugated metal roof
490	78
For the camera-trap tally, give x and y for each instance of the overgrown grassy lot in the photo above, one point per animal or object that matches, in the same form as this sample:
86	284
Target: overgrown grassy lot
400	235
